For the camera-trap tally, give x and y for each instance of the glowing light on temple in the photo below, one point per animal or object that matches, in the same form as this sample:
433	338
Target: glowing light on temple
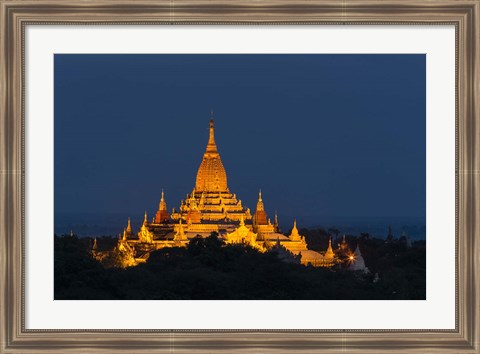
211	207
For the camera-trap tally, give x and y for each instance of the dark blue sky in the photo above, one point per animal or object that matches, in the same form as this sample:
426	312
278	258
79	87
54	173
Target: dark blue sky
323	136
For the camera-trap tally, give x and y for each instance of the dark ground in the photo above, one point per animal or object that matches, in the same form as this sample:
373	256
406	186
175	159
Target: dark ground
207	269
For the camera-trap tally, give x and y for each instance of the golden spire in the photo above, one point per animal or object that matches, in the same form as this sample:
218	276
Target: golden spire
242	221
129	226
163	205
329	255
260	201
211	146
211	175
180	235
294	235
145	220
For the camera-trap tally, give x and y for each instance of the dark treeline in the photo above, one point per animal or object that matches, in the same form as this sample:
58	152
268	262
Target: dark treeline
208	269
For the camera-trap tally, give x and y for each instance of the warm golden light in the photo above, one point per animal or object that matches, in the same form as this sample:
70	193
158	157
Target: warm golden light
211	207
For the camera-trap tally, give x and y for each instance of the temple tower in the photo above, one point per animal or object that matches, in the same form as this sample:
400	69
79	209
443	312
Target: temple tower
193	215
329	255
128	230
358	262
144	234
344	245
180	236
295	235
275	223
162	213
260	216
211	175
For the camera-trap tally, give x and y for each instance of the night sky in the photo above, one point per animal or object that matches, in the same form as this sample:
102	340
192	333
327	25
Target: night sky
323	136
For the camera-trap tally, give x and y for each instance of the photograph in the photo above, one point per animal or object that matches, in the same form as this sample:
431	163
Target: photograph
240	177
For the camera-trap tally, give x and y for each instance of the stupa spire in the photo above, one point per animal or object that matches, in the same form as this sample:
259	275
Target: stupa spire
161	216
275	222
329	255
357	251
295	235
211	175
129	226
162	205
180	235
358	263
260	206
212	146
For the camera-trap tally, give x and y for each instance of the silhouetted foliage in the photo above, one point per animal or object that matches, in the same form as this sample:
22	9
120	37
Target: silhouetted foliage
209	269
77	274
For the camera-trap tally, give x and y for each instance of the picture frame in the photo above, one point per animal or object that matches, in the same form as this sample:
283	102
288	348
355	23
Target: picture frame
16	15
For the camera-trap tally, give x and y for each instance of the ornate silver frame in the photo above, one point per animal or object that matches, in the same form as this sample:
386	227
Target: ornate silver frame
16	14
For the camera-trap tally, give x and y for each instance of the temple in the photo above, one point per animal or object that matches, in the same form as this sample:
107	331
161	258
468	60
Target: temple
357	261
212	207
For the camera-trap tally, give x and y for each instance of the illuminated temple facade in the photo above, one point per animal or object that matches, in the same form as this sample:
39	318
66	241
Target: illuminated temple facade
212	207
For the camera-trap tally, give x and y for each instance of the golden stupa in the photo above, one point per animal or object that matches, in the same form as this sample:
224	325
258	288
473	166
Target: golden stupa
211	175
212	207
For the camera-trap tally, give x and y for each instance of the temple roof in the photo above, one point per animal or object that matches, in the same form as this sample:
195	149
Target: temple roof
311	255
274	236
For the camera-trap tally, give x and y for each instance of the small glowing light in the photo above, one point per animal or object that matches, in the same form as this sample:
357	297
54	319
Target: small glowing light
351	258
